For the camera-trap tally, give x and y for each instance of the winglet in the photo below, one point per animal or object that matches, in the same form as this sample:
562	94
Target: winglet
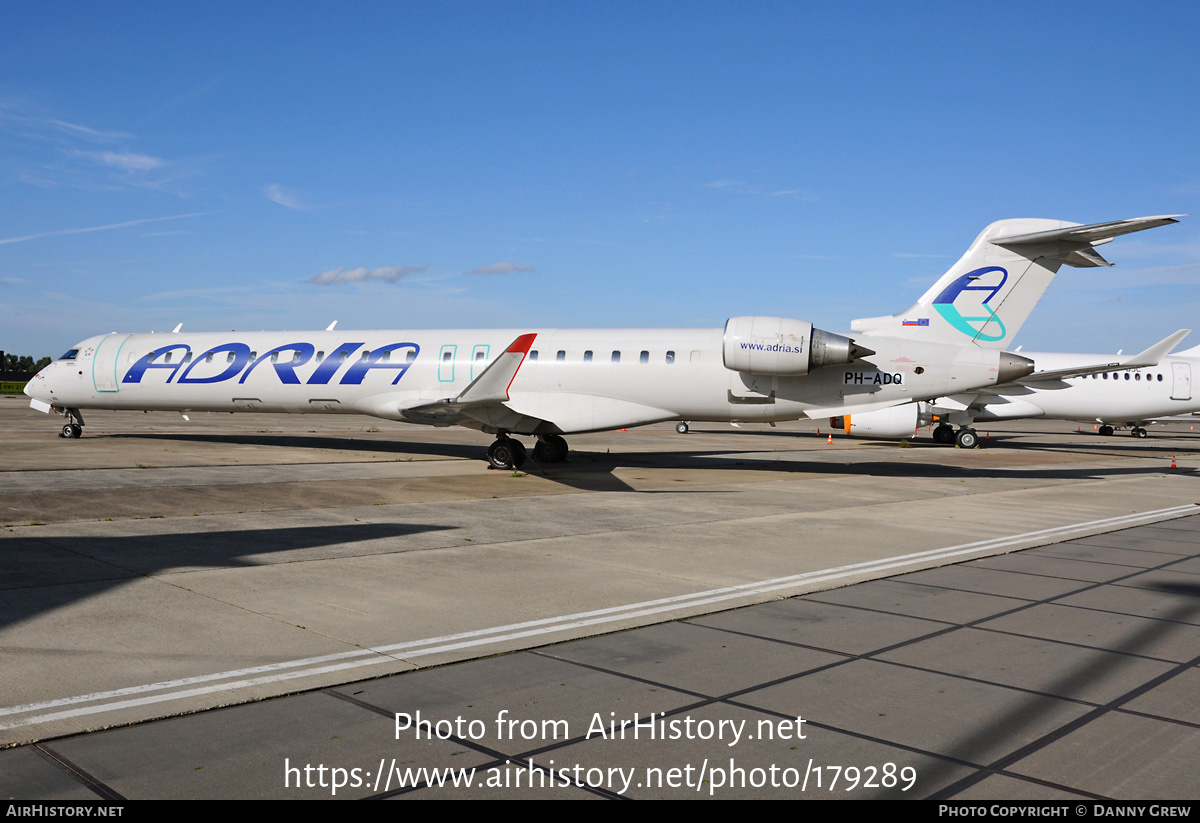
522	344
1158	351
492	385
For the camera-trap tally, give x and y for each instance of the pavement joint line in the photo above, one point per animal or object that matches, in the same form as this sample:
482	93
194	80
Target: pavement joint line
1014	757
412	649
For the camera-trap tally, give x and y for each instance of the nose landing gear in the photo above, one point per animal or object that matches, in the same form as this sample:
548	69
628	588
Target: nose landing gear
74	429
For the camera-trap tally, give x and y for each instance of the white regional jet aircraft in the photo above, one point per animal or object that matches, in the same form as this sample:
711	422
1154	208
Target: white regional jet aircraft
1126	391
554	382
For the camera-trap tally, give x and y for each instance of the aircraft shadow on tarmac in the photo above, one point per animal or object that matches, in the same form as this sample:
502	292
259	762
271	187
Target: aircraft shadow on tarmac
593	471
1070	684
51	572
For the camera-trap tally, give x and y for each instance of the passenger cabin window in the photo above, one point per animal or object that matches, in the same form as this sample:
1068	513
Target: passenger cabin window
296	357
208	358
670	357
561	356
533	354
411	356
274	357
587	356
320	355
343	356
187	358
644	357
229	358
447	356
70	355
480	355
167	359
616	357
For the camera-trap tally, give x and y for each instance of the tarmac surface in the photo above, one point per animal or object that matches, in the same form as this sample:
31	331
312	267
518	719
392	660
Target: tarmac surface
239	606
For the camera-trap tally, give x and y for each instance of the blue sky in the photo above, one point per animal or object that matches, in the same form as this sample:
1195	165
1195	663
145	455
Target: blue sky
524	164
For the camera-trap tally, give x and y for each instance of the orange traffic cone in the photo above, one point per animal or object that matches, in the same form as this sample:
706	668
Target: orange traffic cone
1173	462
829	442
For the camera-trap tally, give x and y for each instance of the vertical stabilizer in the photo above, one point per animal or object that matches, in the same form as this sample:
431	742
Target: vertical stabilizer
988	294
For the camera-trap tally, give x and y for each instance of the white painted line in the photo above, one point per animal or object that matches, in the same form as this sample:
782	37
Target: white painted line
306	667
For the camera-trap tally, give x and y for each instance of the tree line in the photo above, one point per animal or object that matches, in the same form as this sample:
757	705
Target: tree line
21	367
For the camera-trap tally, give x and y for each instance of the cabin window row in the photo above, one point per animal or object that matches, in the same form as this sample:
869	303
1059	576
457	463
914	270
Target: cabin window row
589	356
1136	376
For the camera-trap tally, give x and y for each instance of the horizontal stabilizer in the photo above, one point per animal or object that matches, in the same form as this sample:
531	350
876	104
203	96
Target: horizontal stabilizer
1095	233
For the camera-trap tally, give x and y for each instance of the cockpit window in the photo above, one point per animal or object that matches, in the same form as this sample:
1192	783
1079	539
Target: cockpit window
70	355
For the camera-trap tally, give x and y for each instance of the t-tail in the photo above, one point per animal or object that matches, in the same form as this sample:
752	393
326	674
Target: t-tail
987	295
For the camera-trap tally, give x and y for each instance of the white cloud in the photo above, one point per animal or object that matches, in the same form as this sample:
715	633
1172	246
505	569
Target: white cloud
6	240
739	187
502	268
388	274
126	161
284	197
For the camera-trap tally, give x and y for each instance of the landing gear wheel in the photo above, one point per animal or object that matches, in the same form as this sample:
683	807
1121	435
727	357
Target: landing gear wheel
1105	431
77	430
967	439
1138	431
550	449
943	434
506	454
682	428
70	431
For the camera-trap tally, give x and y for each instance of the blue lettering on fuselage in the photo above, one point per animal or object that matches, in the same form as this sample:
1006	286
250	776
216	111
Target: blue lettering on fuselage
238	355
134	375
286	369
241	356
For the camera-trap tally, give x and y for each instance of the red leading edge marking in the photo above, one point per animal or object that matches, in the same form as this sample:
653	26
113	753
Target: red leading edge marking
520	346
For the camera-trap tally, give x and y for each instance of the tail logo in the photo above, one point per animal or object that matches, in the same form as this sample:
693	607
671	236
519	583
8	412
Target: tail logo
986	283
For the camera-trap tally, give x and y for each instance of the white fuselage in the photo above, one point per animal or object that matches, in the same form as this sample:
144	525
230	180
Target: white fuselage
571	381
1117	398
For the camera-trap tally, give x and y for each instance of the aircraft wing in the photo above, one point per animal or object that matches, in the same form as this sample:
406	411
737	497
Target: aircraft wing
1145	359
476	401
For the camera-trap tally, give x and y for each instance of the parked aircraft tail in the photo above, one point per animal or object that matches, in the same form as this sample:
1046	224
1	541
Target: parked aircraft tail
987	295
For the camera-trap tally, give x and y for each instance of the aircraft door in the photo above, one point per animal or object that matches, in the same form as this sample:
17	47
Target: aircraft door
479	360
1181	381
446	363
104	362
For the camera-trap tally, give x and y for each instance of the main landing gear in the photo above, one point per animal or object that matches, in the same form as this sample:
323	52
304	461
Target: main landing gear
1138	431
508	454
74	429
965	439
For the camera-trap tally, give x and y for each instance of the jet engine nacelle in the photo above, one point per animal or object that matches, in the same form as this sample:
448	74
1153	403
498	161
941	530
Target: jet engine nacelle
897	421
783	346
